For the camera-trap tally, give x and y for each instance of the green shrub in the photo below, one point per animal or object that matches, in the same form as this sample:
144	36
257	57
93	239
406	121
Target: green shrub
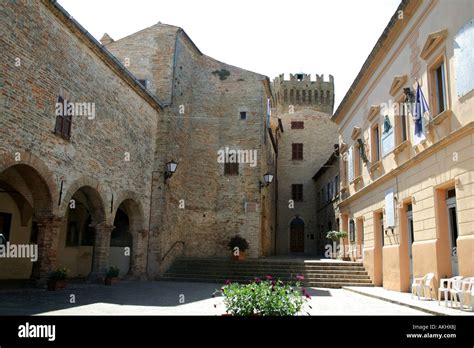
336	235
113	272
264	297
239	242
59	274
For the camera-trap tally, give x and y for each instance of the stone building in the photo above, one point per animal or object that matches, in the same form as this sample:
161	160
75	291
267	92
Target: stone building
304	107
326	185
86	184
407	177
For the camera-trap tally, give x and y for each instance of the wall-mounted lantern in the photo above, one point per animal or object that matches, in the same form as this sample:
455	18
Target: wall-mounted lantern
267	180
170	169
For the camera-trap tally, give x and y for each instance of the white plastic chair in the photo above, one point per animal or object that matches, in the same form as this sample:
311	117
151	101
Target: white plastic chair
445	287
422	286
466	296
456	288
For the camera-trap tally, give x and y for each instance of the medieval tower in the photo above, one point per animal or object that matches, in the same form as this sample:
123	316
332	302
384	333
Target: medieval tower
304	106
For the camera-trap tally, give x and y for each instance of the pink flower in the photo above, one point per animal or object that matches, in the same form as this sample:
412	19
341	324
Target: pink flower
269	277
299	277
307	296
257	280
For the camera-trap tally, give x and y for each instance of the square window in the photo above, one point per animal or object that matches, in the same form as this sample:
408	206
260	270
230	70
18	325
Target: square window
297	125
231	168
243	115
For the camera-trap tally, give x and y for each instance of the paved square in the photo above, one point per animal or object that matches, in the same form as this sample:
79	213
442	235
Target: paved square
171	298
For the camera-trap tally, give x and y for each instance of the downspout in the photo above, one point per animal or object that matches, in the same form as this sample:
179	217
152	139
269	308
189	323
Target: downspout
149	225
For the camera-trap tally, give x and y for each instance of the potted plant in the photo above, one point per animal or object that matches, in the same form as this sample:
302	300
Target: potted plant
238	246
57	279
335	236
111	277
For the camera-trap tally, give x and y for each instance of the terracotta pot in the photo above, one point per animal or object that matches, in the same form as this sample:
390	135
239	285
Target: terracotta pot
54	284
111	280
239	257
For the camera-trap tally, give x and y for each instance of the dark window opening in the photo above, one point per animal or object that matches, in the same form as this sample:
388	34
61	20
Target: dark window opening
297	192
231	168
144	83
5	225
63	121
299	77
243	115
297	151
297	125
440	90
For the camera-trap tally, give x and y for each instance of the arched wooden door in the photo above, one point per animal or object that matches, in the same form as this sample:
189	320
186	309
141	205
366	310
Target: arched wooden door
297	236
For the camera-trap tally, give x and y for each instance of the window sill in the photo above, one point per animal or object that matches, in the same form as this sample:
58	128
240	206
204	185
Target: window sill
375	166
402	146
357	180
438	119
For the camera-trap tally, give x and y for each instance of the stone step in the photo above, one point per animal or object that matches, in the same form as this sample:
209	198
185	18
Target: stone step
268	271
251	277
333	284
227	263
254	275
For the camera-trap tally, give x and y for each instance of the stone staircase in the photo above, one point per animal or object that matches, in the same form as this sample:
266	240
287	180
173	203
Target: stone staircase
324	273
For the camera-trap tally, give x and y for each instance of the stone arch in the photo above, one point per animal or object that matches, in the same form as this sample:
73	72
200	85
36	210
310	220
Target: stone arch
129	203
40	174
310	96
316	96
94	192
32	195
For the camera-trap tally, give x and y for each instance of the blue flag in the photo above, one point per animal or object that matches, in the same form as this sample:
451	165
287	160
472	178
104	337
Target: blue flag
421	109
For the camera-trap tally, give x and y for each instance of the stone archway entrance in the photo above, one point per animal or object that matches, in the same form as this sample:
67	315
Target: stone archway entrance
79	234
26	219
128	241
297	235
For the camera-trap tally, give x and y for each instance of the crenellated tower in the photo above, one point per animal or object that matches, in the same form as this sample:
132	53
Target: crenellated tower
302	90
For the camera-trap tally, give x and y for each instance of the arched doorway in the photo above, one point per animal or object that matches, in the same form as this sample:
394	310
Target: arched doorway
121	243
128	242
25	204
297	235
78	234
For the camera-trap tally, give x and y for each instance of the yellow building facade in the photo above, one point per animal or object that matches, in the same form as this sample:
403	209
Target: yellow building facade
407	182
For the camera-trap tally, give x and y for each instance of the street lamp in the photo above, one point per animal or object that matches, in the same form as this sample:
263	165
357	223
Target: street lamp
267	180
170	169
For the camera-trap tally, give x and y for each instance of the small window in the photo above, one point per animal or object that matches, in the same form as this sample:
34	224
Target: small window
297	192
5	224
63	121
297	151
450	193
375	143
352	230
243	115
297	125
231	168
439	88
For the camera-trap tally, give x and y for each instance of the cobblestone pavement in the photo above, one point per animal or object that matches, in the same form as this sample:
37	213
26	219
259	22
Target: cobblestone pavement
170	298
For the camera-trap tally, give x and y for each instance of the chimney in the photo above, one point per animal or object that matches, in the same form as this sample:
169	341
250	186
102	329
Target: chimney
106	39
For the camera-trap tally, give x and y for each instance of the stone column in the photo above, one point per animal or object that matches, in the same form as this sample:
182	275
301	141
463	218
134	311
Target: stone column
100	259
48	246
139	255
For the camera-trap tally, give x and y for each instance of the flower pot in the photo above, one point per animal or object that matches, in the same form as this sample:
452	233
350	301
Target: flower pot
239	257
111	280
54	284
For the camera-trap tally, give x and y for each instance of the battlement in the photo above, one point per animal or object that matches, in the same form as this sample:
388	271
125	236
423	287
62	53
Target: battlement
302	77
301	89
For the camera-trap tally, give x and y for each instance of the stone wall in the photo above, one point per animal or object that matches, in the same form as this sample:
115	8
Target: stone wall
44	56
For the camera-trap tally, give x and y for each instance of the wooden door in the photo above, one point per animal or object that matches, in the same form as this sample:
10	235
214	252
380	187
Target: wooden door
297	238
